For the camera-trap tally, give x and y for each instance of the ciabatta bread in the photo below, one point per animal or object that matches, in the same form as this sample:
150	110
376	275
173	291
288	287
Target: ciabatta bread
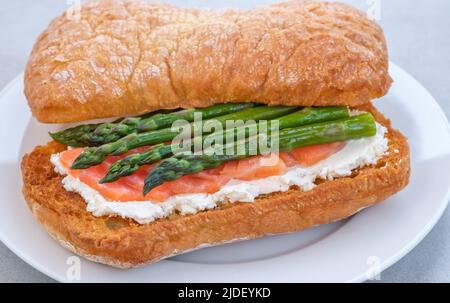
124	243
130	57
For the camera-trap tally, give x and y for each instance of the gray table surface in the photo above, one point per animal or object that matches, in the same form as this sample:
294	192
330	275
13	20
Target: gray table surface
418	34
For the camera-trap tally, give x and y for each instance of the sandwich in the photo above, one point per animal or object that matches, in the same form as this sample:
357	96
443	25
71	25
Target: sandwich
162	171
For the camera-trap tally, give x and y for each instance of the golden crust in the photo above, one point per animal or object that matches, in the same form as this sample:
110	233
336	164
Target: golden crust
124	58
124	243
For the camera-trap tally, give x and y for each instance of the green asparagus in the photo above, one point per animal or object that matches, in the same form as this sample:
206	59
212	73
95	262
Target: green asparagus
72	136
132	163
96	155
309	115
110	132
78	136
332	131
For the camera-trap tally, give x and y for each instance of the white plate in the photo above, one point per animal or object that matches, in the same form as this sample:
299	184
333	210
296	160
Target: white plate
344	251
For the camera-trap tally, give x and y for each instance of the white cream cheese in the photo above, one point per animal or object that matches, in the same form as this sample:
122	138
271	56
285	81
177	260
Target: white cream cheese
356	154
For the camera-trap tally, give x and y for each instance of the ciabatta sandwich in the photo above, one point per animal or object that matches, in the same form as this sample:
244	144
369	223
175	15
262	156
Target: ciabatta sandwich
119	193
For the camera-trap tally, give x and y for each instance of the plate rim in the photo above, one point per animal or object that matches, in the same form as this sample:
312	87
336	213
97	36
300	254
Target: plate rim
437	216
388	262
11	246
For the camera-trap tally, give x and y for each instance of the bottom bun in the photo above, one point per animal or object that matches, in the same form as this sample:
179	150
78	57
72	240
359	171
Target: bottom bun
124	243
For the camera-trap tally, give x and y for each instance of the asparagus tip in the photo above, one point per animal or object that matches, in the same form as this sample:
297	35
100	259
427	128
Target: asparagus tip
87	159
57	136
151	184
78	165
107	179
111	176
53	135
154	179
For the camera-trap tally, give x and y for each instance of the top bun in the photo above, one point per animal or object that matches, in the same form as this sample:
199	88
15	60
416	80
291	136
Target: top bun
129	57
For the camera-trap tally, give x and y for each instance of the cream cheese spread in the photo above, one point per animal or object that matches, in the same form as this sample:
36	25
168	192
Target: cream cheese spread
357	153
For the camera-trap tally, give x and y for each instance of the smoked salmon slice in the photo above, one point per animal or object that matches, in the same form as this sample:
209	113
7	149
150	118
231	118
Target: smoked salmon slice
310	155
210	181
254	168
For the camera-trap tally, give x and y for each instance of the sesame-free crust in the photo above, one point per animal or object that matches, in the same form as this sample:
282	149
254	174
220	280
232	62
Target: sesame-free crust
129	57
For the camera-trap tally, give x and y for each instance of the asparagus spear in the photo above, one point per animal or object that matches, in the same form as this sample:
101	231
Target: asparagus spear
340	130
96	155
110	132
78	136
73	136
132	163
309	115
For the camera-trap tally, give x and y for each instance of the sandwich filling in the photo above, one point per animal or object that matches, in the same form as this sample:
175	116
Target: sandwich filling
241	180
